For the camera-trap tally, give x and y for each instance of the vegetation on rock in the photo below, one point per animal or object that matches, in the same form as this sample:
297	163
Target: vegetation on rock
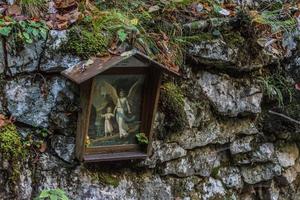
172	105
12	150
52	194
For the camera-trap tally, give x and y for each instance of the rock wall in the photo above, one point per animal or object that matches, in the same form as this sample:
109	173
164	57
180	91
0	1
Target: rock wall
231	147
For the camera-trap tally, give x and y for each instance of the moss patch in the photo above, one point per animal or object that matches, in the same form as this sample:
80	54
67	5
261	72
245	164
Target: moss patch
105	178
85	43
172	105
12	150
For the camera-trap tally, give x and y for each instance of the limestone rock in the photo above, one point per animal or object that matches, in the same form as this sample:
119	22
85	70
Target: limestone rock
163	152
231	177
212	52
32	102
64	147
54	60
287	177
213	189
26	60
287	154
155	188
259	173
199	162
230	98
215	133
218	53
264	153
242	145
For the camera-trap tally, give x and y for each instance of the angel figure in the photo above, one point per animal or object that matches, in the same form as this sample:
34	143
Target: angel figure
108	127
122	109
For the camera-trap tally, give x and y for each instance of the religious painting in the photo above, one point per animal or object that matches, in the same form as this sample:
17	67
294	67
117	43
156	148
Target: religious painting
115	113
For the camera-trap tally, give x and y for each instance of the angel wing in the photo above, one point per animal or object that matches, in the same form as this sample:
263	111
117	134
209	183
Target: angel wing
133	90
111	91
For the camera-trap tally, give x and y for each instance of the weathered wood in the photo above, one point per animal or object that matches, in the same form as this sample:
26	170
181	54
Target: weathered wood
157	76
114	156
113	149
86	70
82	114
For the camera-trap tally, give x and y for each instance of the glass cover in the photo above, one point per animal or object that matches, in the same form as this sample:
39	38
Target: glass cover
115	116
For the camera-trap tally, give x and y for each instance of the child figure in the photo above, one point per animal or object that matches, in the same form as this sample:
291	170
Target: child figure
108	127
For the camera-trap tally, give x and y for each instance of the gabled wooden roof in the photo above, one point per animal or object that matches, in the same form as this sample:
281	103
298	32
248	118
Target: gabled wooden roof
94	66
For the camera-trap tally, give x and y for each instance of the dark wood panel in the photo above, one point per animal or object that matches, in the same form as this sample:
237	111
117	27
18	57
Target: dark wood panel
114	156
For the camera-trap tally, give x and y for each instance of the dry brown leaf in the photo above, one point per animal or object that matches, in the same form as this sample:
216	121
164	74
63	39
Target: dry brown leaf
43	147
13	10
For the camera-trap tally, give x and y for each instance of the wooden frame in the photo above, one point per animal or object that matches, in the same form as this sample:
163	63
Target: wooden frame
119	152
133	63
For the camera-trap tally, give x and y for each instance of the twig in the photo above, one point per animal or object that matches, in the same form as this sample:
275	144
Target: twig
284	116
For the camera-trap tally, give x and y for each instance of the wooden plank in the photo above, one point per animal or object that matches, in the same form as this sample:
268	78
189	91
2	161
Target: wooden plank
79	74
114	157
81	122
113	149
88	113
157	76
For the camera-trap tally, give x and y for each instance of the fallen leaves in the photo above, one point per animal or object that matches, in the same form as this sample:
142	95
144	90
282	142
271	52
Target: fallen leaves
4	121
65	14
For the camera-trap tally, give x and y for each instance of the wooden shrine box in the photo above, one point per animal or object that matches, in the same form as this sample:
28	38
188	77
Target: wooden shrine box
119	97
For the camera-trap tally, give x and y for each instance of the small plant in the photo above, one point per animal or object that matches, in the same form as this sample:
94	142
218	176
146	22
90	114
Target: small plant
34	8
22	32
52	194
142	138
276	86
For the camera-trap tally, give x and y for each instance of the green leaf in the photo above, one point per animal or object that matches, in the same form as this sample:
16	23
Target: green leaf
26	35
44	194
5	31
122	35
35	32
43	33
53	197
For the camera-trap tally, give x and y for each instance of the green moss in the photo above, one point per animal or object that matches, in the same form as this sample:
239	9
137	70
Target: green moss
215	172
85	43
233	39
105	178
12	150
172	104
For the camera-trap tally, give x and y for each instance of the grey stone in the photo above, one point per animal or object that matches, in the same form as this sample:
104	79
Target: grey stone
218	53
242	145
215	52
163	152
231	177
259	173
264	153
26	60
213	189
230	97
54	60
64	147
48	162
287	154
287	177
215	133
32	102
155	188
25	183
199	162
